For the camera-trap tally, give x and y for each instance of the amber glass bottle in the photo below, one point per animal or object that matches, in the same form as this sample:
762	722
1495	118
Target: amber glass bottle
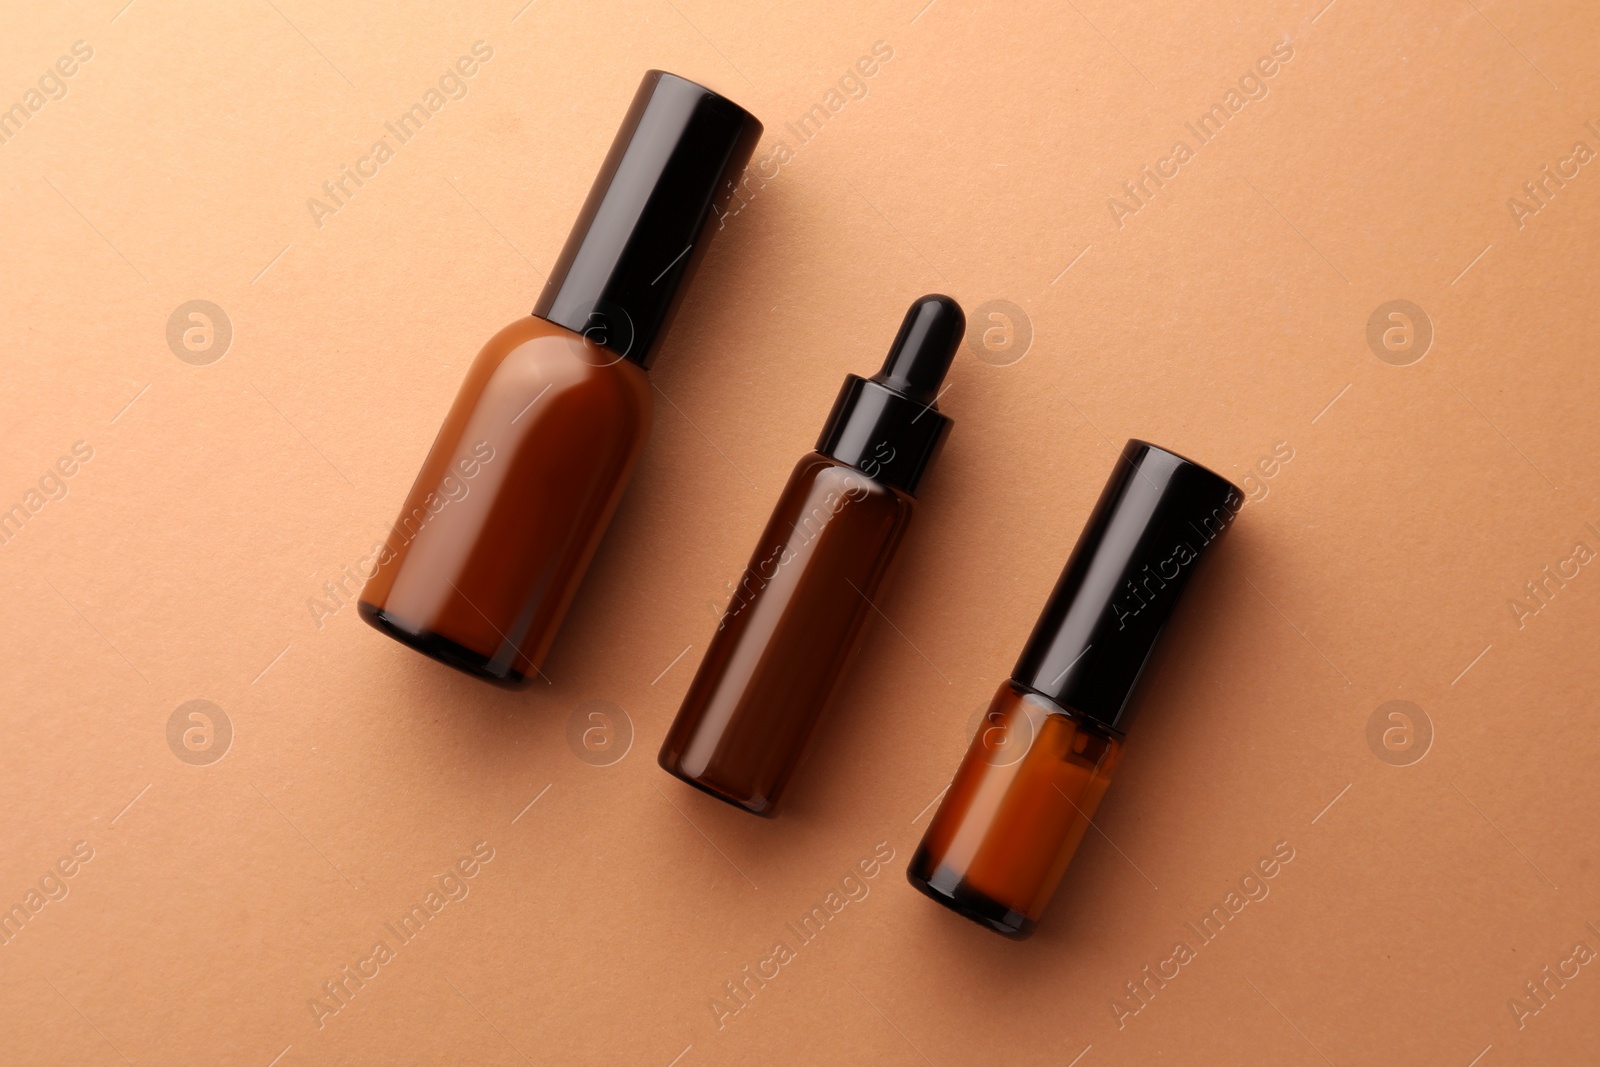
795	618
1045	751
544	434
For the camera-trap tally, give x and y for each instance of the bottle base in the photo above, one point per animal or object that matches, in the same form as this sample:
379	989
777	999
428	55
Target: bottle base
967	902
762	807
446	651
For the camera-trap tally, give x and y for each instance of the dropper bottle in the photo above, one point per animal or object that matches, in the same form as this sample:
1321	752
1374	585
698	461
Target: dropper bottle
794	622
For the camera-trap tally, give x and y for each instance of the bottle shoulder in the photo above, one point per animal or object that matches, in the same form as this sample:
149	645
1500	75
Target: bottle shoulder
533	354
827	474
1041	707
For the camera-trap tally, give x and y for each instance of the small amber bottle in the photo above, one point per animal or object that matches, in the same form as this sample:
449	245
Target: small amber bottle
532	460
795	618
1045	751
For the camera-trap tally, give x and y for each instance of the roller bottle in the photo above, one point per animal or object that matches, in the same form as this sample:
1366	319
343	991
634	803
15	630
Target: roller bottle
1050	742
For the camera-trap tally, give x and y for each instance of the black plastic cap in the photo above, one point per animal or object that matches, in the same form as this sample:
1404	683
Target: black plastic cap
643	228
889	426
1156	518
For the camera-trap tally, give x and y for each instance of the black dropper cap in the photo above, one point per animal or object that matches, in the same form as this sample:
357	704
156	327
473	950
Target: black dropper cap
1155	519
643	229
889	426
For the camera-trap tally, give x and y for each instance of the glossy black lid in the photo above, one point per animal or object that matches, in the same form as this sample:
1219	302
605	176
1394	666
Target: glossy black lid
1156	517
643	228
889	426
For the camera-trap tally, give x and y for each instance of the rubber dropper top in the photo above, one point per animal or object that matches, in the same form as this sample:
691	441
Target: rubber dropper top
922	350
889	426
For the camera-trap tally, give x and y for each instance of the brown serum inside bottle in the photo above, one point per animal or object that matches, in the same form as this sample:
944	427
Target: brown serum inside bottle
512	501
534	456
1036	770
795	619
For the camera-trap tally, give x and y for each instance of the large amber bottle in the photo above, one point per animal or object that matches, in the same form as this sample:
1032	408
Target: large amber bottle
795	618
511	503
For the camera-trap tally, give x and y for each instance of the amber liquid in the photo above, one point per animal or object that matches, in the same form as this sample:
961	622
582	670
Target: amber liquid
787	635
1015	812
512	501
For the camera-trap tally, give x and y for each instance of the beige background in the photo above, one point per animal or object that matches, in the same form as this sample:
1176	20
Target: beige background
1225	318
